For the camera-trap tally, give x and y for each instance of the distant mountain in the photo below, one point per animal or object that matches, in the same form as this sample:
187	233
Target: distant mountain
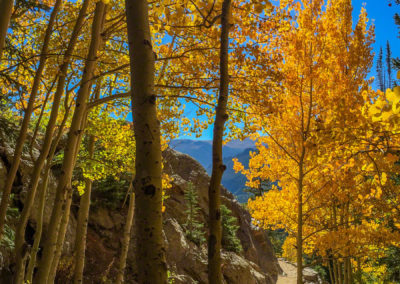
201	150
198	149
235	182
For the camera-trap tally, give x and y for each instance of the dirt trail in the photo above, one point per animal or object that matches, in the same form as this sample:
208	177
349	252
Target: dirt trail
289	272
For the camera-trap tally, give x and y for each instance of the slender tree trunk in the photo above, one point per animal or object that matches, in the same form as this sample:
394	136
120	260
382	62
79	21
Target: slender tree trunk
28	112
127	237
335	271
345	273
64	185
42	111
300	224
81	232
39	225
83	215
150	254
340	272
218	168
299	237
6	7
330	272
61	237
350	271
20	273
65	217
42	196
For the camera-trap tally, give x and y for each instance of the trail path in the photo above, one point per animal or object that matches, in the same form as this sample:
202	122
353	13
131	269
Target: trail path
289	272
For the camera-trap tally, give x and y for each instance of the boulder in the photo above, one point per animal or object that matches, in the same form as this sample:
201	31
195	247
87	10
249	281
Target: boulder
311	276
237	269
8	136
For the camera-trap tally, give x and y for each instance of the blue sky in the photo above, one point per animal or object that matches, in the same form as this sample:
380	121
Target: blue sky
381	14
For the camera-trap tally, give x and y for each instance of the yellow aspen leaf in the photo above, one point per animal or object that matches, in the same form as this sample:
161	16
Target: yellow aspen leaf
386	115
374	110
378	193
390	96
376	118
396	108
384	178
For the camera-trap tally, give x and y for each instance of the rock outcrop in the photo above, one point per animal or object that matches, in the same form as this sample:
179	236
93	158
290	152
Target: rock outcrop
258	256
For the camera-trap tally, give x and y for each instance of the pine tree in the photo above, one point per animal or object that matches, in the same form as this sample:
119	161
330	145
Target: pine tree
380	71
264	186
194	229
229	241
389	64
396	61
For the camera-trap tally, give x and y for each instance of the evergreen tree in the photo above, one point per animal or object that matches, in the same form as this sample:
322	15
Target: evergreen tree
264	186
397	16
396	61
230	241
380	72
194	229
389	65
392	262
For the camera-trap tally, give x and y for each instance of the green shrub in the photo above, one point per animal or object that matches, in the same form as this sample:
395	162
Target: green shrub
277	238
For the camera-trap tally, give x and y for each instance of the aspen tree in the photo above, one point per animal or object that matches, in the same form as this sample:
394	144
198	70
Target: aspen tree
64	186
218	168
340	206
27	116
83	214
150	253
126	237
65	214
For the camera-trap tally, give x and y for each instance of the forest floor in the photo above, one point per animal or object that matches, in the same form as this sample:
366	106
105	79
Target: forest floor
290	274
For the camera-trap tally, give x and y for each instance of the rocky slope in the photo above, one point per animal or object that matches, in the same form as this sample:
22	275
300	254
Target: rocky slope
187	262
257	263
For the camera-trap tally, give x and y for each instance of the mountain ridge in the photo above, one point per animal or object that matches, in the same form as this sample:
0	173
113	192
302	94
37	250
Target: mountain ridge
201	150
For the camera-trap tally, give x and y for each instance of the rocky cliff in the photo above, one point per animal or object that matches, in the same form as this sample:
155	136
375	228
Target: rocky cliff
257	263
187	262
